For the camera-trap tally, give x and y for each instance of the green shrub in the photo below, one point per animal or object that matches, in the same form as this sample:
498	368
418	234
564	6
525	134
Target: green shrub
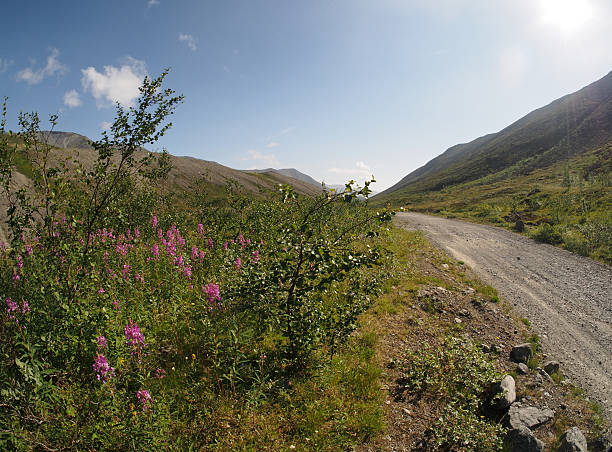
546	233
458	373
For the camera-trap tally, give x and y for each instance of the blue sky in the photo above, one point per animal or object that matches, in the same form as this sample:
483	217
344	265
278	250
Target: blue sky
338	89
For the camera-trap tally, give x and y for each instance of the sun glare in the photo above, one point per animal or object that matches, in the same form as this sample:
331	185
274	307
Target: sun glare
567	15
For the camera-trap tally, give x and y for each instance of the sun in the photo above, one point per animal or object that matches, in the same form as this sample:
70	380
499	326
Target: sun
567	15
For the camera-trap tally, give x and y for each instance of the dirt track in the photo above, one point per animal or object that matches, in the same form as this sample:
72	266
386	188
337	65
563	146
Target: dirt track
567	298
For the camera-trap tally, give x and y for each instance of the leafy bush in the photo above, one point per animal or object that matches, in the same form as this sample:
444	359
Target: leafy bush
130	315
458	373
546	233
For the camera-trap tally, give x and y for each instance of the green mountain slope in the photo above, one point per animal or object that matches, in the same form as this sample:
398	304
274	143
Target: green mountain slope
567	127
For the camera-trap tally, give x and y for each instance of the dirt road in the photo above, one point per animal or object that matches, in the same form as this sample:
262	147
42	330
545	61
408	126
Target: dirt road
567	298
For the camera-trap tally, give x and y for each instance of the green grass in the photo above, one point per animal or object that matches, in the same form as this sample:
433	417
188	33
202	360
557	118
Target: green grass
571	209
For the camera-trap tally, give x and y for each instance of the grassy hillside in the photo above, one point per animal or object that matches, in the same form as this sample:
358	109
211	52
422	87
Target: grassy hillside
567	204
187	175
567	127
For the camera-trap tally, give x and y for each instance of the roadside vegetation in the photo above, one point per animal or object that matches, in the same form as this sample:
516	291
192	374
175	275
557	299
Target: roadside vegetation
137	319
568	204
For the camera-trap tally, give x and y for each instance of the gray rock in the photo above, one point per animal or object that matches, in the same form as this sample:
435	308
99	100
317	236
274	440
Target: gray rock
601	444
522	369
528	416
573	441
504	393
522	440
551	367
521	353
544	375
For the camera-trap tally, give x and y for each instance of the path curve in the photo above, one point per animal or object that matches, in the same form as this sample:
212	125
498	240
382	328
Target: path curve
567	298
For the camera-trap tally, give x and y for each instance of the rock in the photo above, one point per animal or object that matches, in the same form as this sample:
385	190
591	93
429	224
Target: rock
504	393
486	348
601	444
521	353
528	416
573	441
457	320
544	375
551	367
522	440
522	369
498	349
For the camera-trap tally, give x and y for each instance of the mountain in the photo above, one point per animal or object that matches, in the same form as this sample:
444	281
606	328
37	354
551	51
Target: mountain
569	126
289	172
186	172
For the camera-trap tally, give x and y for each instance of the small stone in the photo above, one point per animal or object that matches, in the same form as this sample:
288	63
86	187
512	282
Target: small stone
457	320
573	441
521	353
486	348
498	349
407	411
551	367
504	393
445	266
523	440
522	369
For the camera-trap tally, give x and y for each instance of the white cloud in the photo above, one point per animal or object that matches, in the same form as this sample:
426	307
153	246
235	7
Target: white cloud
4	65
360	169
261	159
273	144
105	125
151	3
72	99
191	42
115	84
34	76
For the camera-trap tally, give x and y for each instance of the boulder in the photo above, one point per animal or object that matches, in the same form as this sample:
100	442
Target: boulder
521	353
528	416
504	393
551	367
523	440
573	441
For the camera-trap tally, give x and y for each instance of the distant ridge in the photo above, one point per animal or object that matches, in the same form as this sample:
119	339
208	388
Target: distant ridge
289	172
566	127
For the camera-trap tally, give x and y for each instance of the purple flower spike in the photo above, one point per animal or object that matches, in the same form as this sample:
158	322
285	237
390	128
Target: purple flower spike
144	398
133	335
102	343
102	369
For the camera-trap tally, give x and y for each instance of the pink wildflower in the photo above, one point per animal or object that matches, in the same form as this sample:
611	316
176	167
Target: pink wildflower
101	291
160	373
144	398
238	264
255	256
133	335
194	252
200	229
101	367
102	343
225	245
212	292
154	221
137	233
210	243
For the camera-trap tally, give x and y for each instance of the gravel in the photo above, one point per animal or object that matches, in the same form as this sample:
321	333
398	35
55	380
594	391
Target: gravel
567	298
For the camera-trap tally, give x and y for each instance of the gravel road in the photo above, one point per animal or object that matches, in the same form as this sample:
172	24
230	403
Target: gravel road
567	298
